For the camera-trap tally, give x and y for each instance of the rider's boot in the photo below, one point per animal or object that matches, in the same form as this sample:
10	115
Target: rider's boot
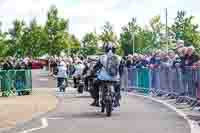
95	103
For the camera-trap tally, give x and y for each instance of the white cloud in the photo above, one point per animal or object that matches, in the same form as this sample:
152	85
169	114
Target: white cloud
85	15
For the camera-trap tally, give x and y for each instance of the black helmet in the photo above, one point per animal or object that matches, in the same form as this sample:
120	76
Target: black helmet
109	46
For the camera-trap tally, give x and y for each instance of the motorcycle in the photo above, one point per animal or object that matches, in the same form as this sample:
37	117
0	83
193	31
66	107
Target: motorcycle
107	97
81	87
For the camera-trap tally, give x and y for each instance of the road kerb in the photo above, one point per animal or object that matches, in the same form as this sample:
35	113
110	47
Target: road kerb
194	127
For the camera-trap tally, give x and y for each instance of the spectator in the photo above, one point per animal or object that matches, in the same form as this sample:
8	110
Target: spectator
164	60
197	64
179	44
190	57
129	61
180	57
79	67
172	57
142	62
155	60
29	64
61	74
7	65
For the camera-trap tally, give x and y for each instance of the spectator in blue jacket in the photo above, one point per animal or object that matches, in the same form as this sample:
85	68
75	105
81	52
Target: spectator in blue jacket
155	60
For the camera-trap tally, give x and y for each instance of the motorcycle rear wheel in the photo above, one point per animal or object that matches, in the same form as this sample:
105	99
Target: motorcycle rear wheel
102	107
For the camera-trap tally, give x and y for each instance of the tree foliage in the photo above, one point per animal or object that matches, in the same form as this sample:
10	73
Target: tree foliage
36	40
3	45
15	38
143	38
186	30
53	37
74	45
57	32
90	43
108	34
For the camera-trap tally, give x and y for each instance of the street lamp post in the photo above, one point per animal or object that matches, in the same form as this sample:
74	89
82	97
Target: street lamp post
68	49
167	38
133	39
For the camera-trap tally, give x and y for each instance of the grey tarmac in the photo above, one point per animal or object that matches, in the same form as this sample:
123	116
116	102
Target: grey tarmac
136	115
74	115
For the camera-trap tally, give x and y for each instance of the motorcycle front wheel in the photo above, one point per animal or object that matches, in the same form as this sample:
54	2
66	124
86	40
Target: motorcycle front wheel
109	109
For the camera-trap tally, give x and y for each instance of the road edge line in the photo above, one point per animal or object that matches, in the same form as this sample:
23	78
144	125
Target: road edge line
44	125
194	128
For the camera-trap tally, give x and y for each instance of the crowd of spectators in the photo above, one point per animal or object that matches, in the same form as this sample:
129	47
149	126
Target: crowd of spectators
181	57
76	68
69	62
13	63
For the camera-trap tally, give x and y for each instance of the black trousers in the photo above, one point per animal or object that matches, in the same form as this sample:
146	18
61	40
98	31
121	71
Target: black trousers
60	81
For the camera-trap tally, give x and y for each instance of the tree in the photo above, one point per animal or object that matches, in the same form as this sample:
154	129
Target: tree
15	38
57	31
74	44
0	27
126	37
3	45
157	28
34	40
144	41
90	43
186	30
156	25
108	34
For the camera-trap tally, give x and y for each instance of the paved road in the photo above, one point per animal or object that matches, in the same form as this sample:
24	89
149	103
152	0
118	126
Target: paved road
136	115
40	79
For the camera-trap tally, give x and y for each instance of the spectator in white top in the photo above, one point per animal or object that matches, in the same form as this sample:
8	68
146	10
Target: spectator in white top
61	74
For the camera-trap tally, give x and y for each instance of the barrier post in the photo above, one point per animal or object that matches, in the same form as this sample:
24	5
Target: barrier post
6	83
15	81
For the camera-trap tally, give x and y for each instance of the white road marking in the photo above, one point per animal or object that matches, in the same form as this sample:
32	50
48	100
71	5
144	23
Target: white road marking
43	79
194	127
56	118
44	125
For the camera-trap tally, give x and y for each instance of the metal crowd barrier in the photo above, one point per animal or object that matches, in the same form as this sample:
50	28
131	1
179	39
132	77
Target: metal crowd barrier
15	81
176	82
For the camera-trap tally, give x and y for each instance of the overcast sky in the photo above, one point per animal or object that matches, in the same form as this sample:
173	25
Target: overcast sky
86	15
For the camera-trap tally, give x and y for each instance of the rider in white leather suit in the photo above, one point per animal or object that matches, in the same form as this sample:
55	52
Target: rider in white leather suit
103	75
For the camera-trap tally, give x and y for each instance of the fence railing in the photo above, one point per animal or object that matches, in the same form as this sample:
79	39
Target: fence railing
15	81
174	81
